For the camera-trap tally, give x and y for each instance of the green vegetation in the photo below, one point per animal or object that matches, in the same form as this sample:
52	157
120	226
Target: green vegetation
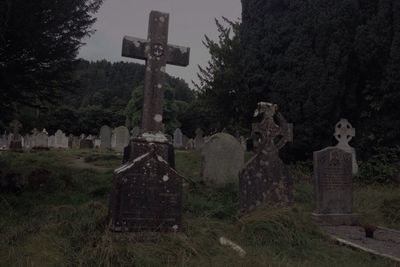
60	220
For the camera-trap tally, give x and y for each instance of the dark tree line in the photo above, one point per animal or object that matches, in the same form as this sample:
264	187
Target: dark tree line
39	41
320	60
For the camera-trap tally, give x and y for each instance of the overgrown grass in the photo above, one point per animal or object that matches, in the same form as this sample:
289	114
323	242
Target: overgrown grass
62	221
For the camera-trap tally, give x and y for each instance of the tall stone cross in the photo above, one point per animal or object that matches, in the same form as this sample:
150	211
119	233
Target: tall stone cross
157	53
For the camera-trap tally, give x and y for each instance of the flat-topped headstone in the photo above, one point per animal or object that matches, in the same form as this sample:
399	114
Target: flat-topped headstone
222	157
344	132
178	138
333	182
157	53
61	140
122	138
41	140
52	141
265	177
105	137
146	196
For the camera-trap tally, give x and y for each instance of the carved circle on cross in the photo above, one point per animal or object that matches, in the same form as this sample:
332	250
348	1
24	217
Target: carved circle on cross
344	132
158	50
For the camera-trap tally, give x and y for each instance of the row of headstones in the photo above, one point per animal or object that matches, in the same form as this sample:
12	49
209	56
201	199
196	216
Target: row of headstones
334	168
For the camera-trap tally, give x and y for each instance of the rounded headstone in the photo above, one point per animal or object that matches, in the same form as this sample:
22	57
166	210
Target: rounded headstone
222	159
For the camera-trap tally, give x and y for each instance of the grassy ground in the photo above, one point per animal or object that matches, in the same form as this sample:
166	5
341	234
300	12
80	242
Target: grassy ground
58	220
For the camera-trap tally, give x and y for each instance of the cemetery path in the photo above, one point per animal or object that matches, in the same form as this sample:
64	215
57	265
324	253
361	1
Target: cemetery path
386	242
80	163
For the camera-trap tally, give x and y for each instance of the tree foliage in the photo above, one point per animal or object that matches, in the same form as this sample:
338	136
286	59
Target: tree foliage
319	60
39	41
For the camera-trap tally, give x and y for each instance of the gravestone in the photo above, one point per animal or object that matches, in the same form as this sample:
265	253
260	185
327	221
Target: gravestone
265	177
61	140
52	141
157	53
105	137
146	196
344	132
97	143
178	138
333	187
121	138
86	144
15	142
151	197
199	139
190	144
185	140
222	157
41	141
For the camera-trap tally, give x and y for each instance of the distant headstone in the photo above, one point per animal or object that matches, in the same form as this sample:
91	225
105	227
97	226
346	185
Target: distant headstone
222	159
178	138
52	141
86	144
15	142
146	196
61	140
265	177
199	139
122	138
190	144
41	140
105	137
185	140
344	132
97	143
333	181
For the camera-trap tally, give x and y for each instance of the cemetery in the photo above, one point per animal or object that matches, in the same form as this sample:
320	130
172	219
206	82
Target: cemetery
285	151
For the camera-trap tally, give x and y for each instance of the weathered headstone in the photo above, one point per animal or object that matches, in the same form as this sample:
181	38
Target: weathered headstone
121	138
344	132
15	142
190	144
185	140
178	136
97	143
333	182
41	141
52	141
222	157
105	137
146	196
113	141
61	140
265	177
199	139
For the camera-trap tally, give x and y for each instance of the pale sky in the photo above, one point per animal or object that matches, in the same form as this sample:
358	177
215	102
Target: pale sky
189	21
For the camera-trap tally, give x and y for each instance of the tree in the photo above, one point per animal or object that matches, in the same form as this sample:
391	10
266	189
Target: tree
220	86
39	41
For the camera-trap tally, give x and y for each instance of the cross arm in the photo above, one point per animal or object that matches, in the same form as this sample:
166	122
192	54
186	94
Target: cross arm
134	47
178	55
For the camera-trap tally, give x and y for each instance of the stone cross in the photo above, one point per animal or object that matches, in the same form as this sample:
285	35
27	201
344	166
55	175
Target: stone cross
344	132
157	53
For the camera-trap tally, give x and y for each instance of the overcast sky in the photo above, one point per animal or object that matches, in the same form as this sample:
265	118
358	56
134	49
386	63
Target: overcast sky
189	21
